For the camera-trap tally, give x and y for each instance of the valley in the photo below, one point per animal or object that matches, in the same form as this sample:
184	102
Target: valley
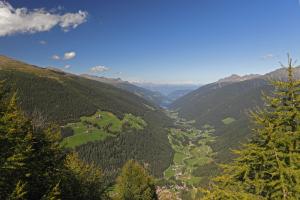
192	150
108	124
191	146
149	100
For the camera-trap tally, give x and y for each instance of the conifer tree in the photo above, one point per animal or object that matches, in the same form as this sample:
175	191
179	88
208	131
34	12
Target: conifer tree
19	192
54	194
81	180
32	162
268	167
134	183
15	148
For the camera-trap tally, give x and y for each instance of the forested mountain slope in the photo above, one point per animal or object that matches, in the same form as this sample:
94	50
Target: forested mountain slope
225	104
62	98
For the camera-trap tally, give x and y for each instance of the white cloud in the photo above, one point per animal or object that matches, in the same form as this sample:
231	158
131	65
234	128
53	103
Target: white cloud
67	66
268	56
43	42
99	69
72	20
22	20
55	57
69	55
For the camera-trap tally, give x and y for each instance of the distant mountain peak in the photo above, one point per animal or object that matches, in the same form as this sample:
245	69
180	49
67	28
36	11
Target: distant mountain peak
281	74
237	78
104	79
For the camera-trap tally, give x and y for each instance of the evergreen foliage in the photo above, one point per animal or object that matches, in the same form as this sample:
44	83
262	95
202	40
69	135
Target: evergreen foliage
19	192
34	166
269	166
134	183
82	181
54	194
62	98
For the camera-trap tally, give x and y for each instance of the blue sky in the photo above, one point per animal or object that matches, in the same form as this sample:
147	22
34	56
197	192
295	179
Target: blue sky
164	41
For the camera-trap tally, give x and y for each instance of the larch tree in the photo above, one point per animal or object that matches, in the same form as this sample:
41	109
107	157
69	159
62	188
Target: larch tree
268	167
33	164
30	158
134	183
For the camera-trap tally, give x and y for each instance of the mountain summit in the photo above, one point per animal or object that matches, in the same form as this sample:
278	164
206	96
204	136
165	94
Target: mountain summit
237	78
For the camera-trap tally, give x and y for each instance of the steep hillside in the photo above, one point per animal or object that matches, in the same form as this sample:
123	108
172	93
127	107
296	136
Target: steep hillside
61	98
224	105
155	97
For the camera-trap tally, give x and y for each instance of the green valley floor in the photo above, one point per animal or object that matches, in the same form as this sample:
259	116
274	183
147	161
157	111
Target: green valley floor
192	150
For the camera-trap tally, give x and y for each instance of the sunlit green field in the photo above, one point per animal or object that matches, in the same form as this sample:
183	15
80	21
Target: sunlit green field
228	120
191	151
100	126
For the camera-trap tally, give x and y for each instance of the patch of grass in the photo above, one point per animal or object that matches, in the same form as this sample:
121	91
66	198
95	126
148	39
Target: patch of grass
169	172
105	120
193	180
178	157
100	126
228	120
133	122
83	138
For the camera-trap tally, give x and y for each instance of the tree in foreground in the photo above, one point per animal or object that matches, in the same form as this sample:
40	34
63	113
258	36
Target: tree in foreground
268	167
34	166
134	183
30	158
82	181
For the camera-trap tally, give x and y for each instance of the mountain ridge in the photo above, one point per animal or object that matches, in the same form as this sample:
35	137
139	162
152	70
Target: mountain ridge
61	98
154	97
216	102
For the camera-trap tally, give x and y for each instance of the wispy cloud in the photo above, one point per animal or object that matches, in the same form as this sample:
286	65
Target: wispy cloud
22	20
99	69
55	57
69	55
42	42
67	66
268	56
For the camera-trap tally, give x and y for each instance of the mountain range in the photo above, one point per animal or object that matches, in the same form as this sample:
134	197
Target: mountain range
63	98
225	104
152	96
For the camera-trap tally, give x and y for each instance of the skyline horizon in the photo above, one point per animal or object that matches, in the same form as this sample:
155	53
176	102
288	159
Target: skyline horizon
187	82
196	42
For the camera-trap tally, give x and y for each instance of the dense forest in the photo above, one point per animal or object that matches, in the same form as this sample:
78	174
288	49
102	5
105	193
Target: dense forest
33	165
60	98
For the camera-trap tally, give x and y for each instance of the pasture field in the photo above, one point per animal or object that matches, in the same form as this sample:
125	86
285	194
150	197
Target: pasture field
100	126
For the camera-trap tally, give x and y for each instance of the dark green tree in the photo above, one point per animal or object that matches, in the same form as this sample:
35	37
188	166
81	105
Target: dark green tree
54	194
268	167
19	192
134	183
82	180
34	166
16	141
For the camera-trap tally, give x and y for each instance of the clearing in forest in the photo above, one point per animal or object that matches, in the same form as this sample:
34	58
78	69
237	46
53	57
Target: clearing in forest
100	126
